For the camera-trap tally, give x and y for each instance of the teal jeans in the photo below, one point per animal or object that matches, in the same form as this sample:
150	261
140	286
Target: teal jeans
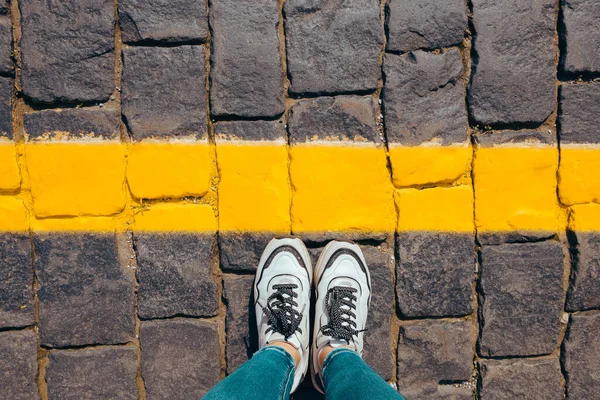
269	375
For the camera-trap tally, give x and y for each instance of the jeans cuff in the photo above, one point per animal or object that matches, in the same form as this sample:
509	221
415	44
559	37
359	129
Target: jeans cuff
288	357
334	353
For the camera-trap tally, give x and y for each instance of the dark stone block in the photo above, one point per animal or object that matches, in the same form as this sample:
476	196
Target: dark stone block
582	356
521	298
431	352
581	35
4	6
429	24
584	293
434	274
516	138
250	130
246	68
578	113
175	275
424	98
521	379
6	86
240	322
514	69
241	251
181	359
333	47
67	50
164	91
96	373
6	60
18	365
16	281
79	122
334	118
169	21
86	296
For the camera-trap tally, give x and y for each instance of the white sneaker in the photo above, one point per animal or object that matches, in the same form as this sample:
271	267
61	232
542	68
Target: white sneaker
282	298
343	298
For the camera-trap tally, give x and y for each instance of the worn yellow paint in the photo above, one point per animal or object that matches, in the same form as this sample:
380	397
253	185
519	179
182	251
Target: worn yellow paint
254	188
436	209
13	215
585	218
10	176
75	224
579	174
429	165
168	169
515	189
341	188
186	217
73	178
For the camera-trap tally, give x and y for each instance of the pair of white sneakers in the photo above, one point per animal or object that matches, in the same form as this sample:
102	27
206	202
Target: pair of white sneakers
282	293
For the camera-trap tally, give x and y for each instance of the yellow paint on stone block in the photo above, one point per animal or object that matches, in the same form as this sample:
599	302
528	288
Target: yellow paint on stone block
10	176
74	224
341	188
436	209
169	169
13	215
426	165
579	174
585	218
74	178
182	217
254	189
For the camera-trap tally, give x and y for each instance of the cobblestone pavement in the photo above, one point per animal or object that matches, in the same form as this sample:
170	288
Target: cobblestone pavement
150	149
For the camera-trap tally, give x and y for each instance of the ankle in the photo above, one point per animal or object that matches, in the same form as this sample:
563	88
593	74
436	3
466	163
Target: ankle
328	349
290	349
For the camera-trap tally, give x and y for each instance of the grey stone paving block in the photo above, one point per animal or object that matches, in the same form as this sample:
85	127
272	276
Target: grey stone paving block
431	352
96	373
96	122
181	359
582	356
6	85
240	322
434	274
514	74
67	50
175	275
246	67
493	138
521	298
86	296
578	113
333	46
241	251
334	118
18	365
16	281
584	293
4	6
521	379
168	21
250	130
164	92
6	61
425	24
424	98
581	35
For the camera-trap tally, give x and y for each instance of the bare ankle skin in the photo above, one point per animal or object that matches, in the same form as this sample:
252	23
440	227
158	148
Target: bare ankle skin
290	349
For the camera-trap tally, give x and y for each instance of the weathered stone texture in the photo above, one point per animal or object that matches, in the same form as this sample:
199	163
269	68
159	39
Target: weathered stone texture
333	46
16	281
67	50
4	6
164	91
86	296
429	24
6	85
170	21
250	130
521	298
78	122
514	69
334	118
241	251
521	379
584	293
18	365
434	351
578	113
582	356
181	359
581	35
102	373
240	321
424	98
6	61
246	68
434	274
175	275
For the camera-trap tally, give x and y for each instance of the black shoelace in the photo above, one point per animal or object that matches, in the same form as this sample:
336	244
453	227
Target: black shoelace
342	324
282	317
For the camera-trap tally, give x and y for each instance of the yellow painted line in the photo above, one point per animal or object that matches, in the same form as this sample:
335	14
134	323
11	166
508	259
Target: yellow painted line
10	176
585	218
579	174
13	215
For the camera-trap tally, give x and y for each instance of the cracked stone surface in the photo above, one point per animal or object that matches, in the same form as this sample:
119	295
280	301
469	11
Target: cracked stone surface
582	356
6	85
18	365
16	282
578	121
78	122
584	293
6	41
581	35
